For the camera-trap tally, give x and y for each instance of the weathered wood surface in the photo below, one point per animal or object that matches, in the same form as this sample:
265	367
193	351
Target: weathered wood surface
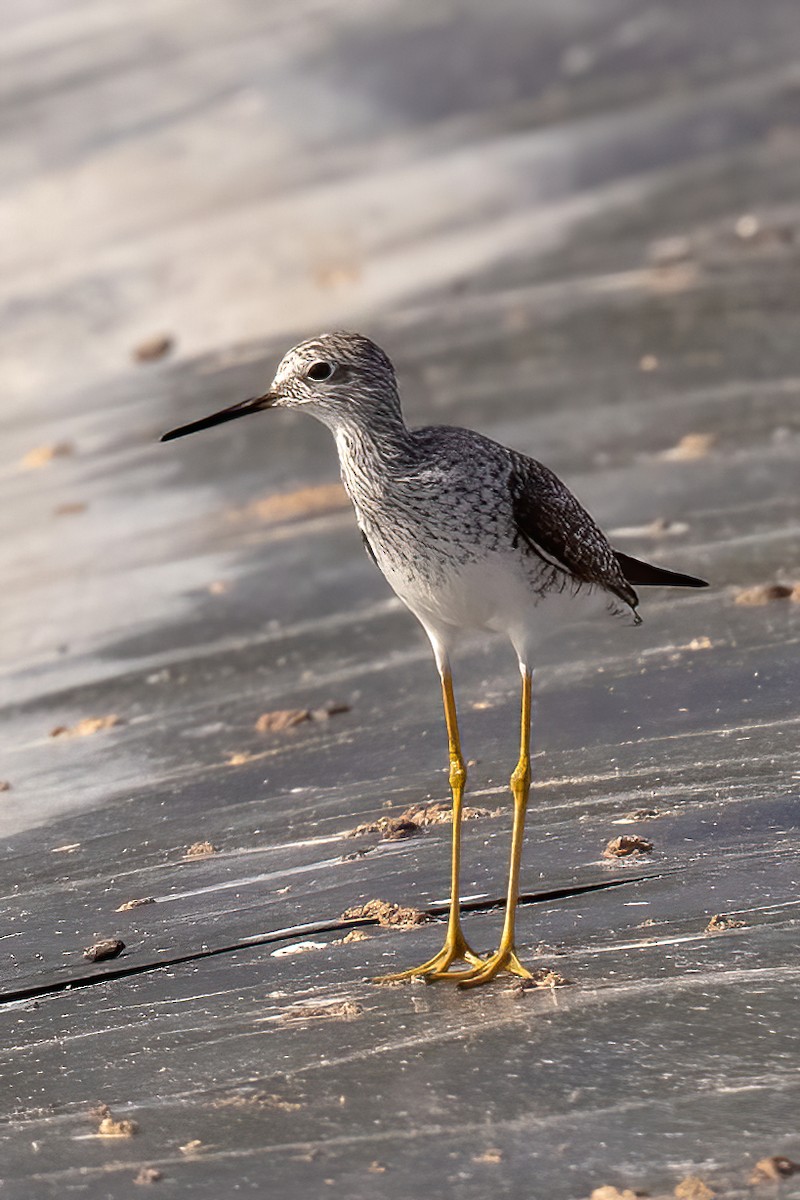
498	224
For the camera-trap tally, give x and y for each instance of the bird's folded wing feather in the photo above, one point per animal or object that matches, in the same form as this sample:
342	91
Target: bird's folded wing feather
556	527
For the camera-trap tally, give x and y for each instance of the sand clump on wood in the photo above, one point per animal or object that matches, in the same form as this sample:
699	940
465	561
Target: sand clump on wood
153	348
719	923
416	817
287	718
608	1192
491	1156
311	501
86	727
129	904
239	759
201	850
691	446
192	1148
355	935
541	977
773	1169
767	593
40	456
385	913
694	1188
626	845
110	1127
106	948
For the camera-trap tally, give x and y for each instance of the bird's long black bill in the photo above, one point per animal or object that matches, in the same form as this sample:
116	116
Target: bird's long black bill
242	409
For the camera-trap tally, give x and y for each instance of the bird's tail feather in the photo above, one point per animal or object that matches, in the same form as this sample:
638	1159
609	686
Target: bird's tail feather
642	574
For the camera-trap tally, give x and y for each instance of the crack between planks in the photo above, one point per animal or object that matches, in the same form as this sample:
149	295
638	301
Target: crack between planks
436	909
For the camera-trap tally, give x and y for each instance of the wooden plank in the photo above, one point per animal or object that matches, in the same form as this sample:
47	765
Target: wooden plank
518	274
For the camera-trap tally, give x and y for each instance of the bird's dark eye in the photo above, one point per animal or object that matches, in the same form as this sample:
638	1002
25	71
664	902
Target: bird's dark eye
320	371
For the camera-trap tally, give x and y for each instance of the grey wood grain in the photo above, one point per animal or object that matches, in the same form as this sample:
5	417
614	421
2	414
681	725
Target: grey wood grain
499	224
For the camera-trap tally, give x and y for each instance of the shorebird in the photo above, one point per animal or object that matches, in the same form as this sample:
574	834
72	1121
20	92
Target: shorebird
470	535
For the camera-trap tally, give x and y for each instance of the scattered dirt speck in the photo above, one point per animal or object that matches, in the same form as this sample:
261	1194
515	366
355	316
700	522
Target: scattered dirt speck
129	904
355	935
110	1127
691	446
106	948
5	786
764	593
612	1193
719	923
377	1168
642	814
419	816
385	913
282	718
648	362
773	1169
699	643
337	1010
334	274
542	977
190	1149
86	727
201	850
490	1157
240	758
218	587
153	348
692	1187
41	455
148	1175
70	509
400	828
289	506
627	844
287	718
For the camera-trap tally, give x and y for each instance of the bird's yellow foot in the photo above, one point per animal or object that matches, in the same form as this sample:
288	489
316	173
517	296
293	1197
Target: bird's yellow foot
501	960
436	968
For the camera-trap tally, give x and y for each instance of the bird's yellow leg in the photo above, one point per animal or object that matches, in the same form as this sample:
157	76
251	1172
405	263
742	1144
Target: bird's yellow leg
455	944
505	958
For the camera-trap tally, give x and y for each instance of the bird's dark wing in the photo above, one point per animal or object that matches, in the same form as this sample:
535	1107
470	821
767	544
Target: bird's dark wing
551	522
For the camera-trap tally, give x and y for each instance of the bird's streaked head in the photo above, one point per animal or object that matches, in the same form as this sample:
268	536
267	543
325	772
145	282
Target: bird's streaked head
340	378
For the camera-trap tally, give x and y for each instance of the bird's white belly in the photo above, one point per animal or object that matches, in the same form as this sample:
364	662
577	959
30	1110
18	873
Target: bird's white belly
494	593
